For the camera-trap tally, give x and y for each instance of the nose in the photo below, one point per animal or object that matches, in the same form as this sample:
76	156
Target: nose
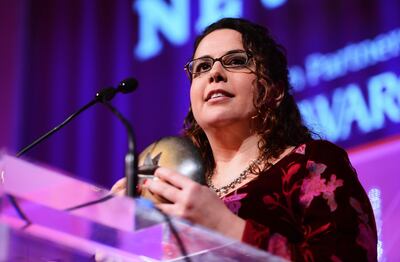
217	73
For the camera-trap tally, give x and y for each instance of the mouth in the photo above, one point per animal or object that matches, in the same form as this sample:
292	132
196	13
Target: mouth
217	94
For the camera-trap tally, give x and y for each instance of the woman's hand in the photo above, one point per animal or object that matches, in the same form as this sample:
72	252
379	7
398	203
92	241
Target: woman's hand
194	202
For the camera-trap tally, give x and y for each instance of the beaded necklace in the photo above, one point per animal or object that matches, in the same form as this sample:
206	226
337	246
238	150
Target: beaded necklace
242	176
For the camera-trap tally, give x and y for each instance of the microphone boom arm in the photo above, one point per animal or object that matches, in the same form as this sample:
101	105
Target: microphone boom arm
130	158
55	129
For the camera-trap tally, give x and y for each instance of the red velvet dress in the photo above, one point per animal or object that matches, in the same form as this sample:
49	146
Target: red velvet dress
309	206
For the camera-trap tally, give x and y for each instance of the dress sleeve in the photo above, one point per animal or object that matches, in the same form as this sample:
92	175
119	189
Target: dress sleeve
322	213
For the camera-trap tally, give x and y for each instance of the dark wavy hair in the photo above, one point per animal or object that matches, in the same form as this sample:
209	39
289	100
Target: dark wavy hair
278	121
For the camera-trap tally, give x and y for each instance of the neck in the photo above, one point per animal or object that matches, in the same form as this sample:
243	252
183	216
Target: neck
232	150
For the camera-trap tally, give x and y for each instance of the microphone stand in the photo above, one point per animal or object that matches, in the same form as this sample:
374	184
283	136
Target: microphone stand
103	96
131	163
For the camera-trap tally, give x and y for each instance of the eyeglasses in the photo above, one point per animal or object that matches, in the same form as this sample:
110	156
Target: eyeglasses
232	60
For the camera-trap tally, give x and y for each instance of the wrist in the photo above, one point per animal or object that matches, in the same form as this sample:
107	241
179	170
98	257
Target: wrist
232	226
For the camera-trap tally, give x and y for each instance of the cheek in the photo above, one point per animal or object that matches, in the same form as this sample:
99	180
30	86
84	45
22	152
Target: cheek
249	88
197	90
194	98
250	97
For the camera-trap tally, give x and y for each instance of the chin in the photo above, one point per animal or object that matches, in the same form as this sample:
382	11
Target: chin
218	121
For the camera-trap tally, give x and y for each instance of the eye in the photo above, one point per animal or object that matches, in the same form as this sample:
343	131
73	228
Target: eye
201	66
235	60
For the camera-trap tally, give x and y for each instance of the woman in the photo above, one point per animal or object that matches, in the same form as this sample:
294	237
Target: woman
281	191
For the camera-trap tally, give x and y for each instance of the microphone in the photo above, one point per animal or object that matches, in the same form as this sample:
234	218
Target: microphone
125	86
104	95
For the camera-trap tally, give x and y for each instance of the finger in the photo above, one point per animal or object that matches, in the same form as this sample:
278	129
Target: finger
172	177
168	209
119	185
165	190
121	192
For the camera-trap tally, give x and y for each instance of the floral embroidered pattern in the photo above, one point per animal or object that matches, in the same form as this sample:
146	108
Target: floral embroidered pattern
282	219
365	235
278	245
314	186
301	149
357	206
233	202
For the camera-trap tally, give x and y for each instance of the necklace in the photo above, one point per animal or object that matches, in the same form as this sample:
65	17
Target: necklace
224	189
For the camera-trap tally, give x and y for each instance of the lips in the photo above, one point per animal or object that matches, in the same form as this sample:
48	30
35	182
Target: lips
218	93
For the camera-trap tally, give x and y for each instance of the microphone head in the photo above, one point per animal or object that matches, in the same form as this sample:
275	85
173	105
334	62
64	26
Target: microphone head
127	85
106	94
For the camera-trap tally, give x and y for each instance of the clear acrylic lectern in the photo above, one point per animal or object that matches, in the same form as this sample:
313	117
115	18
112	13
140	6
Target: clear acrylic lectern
49	216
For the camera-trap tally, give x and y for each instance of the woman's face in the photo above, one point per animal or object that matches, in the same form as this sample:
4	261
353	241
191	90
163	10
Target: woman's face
219	97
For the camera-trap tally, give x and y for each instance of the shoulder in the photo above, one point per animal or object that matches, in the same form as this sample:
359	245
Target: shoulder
321	150
325	153
319	146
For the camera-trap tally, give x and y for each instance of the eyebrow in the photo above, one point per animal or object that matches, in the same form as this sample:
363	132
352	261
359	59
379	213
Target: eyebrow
229	52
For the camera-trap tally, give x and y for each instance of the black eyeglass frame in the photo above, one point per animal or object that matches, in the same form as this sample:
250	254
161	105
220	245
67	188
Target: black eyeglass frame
220	59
